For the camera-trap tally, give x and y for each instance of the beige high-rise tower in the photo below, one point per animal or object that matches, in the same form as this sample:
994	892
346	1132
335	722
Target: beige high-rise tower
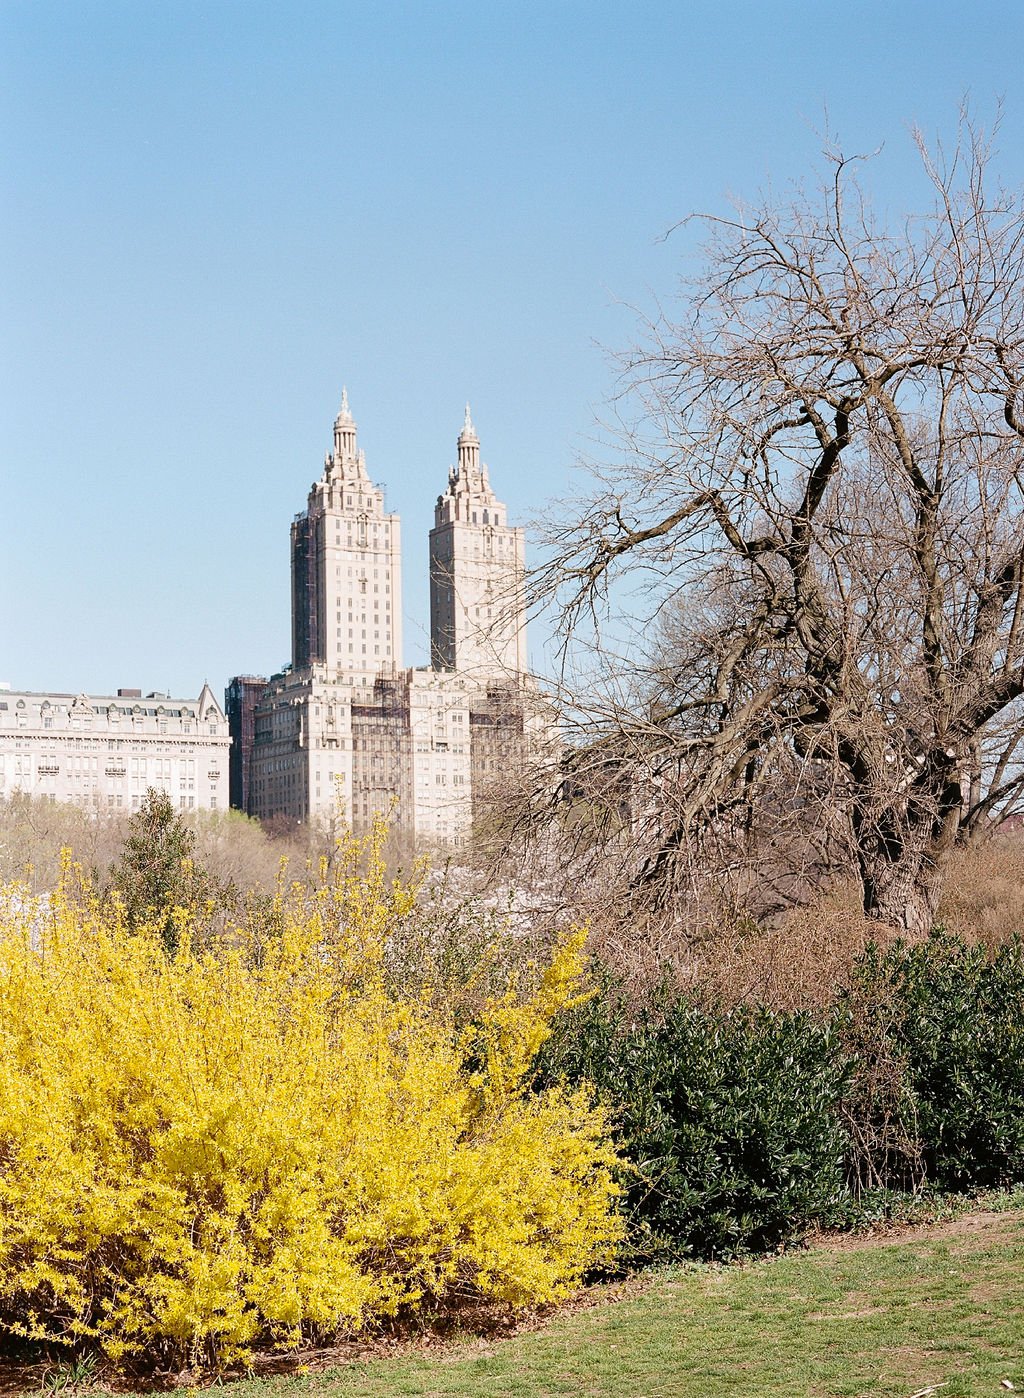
477	568
346	732
346	569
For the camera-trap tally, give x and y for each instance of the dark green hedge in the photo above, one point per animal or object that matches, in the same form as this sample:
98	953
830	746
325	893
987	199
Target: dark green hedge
743	1127
728	1120
943	1025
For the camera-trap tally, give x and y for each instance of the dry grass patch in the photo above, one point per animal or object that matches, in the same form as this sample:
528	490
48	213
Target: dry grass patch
983	897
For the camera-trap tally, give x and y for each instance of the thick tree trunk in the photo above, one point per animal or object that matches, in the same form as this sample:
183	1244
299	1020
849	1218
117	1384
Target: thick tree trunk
902	856
902	874
904	894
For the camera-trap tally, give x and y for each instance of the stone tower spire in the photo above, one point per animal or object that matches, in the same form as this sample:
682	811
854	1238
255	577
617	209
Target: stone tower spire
477	619
469	452
346	568
344	432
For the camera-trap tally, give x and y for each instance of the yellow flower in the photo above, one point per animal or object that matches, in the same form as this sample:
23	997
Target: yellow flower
257	1142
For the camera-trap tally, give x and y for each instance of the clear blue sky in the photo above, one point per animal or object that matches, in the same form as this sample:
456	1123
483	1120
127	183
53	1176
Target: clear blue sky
214	214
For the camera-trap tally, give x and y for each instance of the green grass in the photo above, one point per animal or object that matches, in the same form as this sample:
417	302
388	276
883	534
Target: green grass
883	1319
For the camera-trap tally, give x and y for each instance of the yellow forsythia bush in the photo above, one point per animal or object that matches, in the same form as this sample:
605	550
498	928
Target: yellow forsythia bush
256	1142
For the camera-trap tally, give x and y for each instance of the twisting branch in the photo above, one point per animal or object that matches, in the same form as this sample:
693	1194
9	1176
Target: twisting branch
823	499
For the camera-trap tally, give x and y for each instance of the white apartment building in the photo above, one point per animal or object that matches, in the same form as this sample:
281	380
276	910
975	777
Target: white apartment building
348	730
106	751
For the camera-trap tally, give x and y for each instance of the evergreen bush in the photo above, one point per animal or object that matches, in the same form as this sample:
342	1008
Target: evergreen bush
942	1024
729	1120
157	875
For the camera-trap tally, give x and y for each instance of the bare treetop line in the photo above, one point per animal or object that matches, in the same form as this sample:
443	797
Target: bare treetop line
824	502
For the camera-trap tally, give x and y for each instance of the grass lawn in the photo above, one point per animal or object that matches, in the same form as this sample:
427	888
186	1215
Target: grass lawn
888	1318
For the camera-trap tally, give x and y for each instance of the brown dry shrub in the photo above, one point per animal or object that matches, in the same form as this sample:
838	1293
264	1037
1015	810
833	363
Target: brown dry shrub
801	960
983	896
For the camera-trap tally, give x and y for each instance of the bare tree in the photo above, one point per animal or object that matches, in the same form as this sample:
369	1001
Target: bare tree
824	499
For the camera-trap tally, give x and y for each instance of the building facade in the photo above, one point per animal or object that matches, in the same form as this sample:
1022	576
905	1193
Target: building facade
243	694
107	751
348	731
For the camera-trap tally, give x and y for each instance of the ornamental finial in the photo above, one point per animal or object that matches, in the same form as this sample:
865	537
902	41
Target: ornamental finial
468	433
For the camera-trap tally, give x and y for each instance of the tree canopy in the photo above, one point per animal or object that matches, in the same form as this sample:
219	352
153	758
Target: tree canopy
824	498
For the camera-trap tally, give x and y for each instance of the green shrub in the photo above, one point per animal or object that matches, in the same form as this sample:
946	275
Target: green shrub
742	1127
157	872
937	1030
729	1120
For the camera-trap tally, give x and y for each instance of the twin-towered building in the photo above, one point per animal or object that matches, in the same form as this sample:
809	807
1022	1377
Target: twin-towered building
347	730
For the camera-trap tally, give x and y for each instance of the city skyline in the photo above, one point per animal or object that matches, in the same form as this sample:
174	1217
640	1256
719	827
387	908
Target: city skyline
217	216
